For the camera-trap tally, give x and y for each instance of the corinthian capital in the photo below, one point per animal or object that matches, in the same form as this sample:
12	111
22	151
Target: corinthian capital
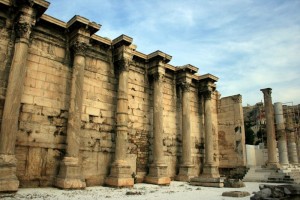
79	48
207	94
23	30
123	64
158	77
185	86
267	92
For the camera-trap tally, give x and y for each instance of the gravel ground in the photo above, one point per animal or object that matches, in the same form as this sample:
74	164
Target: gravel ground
177	190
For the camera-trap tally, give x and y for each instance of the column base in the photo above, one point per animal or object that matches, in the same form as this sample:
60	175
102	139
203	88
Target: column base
210	171
158	175
186	172
120	176
69	176
8	179
208	182
209	178
273	166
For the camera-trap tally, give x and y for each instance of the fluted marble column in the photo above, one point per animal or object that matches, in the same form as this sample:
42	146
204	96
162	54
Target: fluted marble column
158	169
120	173
9	126
186	167
70	176
280	128
292	148
271	143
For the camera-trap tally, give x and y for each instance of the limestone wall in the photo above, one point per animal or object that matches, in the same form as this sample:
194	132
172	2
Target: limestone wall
231	132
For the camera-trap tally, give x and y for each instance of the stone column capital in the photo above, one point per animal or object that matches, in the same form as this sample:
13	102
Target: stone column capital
207	95
267	92
159	77
206	89
23	30
25	22
207	92
185	86
79	48
123	64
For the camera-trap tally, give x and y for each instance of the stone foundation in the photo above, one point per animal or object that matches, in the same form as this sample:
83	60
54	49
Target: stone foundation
207	182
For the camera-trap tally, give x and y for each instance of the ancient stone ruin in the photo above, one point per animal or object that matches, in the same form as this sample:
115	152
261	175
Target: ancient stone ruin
279	163
78	109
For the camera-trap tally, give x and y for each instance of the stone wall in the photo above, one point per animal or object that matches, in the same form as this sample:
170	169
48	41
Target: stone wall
231	132
41	141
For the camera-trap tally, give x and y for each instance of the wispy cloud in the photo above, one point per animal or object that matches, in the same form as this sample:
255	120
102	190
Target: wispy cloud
248	44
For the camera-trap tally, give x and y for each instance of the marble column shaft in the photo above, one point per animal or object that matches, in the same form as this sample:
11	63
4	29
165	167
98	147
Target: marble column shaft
280	128
120	172
14	91
292	148
70	176
186	125
271	140
186	167
76	100
209	139
158	169
158	153
122	114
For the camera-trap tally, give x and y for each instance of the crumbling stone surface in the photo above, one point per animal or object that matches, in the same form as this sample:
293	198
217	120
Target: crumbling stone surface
269	192
231	132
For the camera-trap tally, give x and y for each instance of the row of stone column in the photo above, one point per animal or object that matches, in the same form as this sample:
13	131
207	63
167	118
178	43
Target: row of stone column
287	147
120	170
70	176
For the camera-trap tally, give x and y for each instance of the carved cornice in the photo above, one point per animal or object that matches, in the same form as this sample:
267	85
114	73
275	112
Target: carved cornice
79	48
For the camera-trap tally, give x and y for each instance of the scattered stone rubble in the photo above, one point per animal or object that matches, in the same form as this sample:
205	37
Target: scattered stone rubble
269	192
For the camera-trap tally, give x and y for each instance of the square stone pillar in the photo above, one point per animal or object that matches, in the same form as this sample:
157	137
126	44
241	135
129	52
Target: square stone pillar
70	175
210	176
29	12
120	172
158	169
184	80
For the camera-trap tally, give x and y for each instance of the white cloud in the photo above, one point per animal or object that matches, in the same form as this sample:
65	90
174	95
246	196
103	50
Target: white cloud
248	44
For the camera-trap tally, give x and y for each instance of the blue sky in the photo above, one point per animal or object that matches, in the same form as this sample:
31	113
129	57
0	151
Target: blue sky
248	44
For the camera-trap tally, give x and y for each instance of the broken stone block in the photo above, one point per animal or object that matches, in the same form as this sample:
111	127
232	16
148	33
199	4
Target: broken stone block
236	194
